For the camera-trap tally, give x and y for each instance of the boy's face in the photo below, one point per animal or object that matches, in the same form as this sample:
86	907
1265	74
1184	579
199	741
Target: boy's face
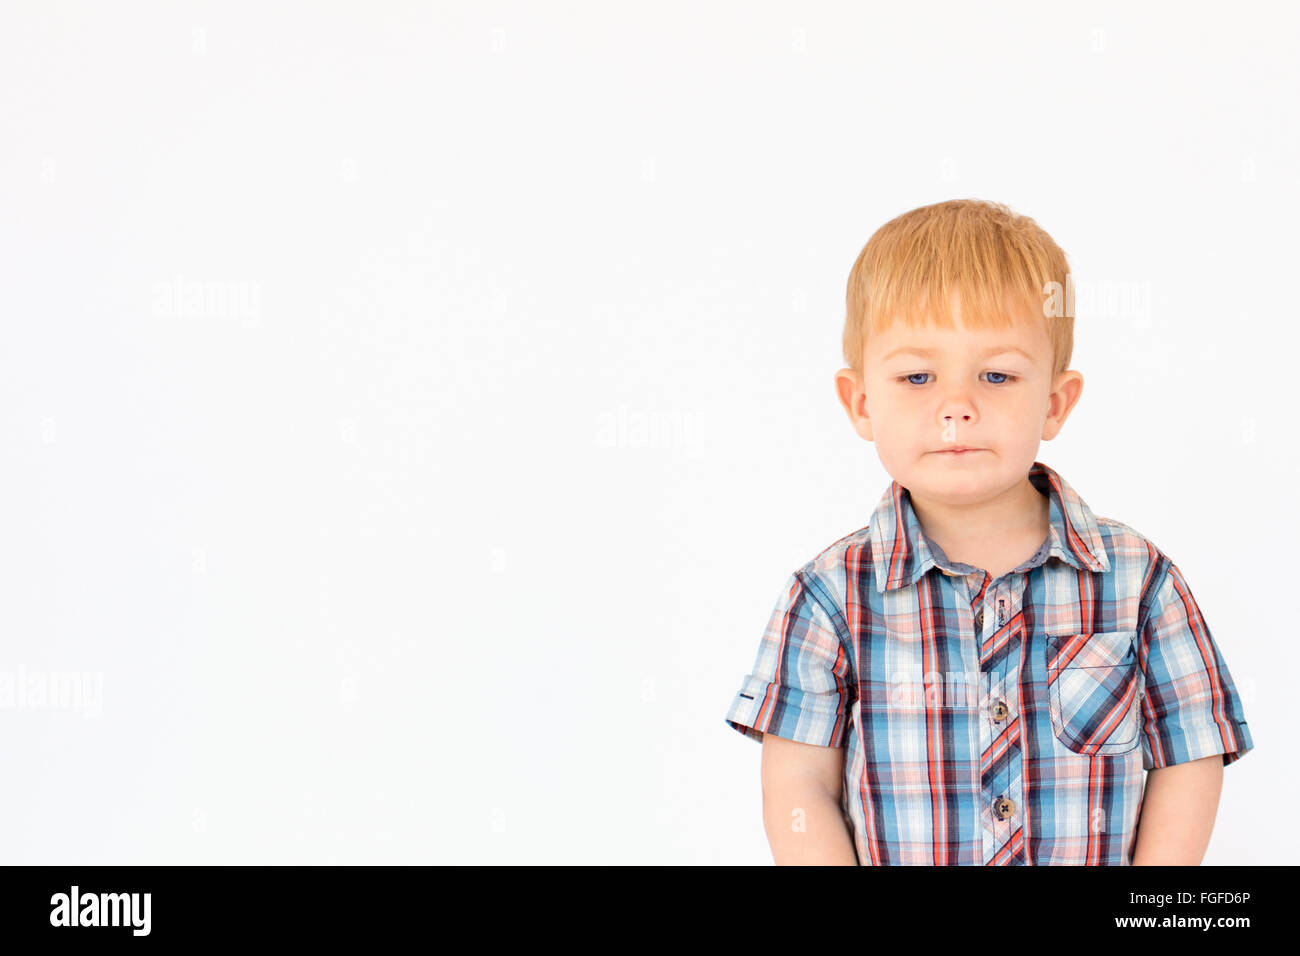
991	390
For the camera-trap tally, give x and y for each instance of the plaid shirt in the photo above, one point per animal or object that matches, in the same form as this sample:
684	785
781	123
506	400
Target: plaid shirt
997	722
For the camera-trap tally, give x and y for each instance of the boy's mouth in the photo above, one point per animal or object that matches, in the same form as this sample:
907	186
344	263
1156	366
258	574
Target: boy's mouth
957	450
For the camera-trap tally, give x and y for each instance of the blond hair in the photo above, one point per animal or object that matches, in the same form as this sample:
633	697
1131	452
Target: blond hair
1001	265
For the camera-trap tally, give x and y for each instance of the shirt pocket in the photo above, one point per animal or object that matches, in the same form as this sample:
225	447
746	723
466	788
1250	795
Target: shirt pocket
1093	691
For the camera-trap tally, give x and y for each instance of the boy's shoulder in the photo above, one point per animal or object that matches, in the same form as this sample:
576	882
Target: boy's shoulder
832	562
826	576
1126	543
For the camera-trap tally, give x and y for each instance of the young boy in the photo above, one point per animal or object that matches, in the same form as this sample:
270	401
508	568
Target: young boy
986	671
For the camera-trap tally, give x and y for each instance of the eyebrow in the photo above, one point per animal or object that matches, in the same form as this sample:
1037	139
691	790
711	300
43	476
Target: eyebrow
995	350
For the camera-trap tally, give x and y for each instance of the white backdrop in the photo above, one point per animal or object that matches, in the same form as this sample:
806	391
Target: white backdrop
412	410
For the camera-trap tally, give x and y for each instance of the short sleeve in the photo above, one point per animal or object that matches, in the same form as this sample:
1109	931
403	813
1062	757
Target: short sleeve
799	688
1190	707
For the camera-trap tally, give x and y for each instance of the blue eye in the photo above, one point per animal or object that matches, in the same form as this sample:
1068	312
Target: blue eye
1005	378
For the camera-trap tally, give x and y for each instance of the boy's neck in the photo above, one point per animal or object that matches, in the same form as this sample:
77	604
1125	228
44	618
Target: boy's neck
995	534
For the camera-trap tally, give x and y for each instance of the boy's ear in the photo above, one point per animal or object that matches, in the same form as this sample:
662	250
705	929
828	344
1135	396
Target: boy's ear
1065	395
848	386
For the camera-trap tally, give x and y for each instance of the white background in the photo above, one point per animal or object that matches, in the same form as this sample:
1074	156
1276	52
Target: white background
443	523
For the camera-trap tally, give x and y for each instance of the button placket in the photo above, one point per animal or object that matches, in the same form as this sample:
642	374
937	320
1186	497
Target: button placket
1004	838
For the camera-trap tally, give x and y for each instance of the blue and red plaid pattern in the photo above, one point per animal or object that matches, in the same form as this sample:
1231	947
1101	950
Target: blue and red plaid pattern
993	722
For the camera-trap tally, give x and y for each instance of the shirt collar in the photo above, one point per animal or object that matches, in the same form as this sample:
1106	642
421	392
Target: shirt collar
902	553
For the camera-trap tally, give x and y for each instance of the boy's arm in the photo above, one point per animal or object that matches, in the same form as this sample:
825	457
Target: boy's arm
801	804
1178	808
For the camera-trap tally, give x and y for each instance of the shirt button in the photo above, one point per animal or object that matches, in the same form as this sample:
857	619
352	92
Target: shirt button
998	710
1003	807
979	619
